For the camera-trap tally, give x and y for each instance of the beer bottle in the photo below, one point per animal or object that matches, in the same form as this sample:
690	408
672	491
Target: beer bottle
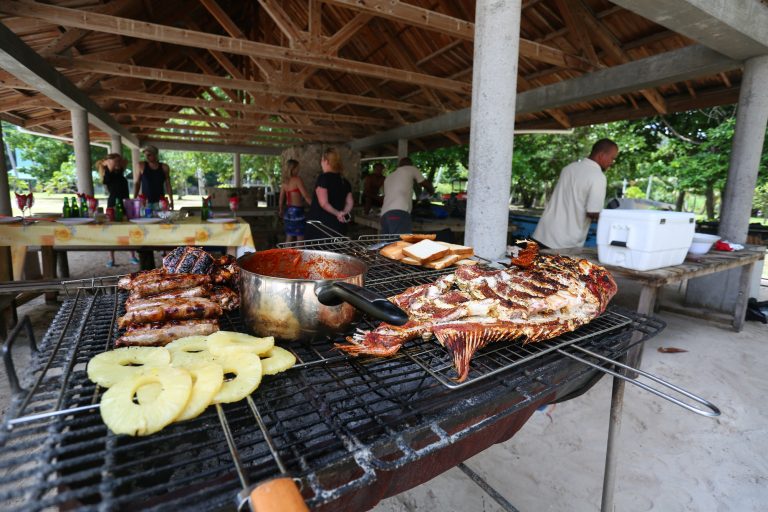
83	206
119	210
65	211
205	212
74	209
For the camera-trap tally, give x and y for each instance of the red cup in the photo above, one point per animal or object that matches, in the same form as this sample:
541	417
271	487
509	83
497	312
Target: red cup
111	214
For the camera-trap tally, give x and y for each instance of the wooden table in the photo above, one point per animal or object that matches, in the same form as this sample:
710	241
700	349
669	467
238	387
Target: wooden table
652	281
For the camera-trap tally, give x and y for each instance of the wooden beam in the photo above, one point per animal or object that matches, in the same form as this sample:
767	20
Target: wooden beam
576	28
674	66
166	34
215	147
183	77
233	128
23	62
250	135
559	116
182	101
611	46
296	37
235	122
454	27
412	15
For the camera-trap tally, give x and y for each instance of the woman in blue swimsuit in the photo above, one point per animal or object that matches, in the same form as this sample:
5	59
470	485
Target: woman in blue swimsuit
290	205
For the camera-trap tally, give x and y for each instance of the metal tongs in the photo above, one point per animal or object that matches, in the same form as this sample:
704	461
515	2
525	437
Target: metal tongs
277	494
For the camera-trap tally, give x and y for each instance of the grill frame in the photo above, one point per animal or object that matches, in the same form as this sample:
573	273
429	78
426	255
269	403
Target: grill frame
342	453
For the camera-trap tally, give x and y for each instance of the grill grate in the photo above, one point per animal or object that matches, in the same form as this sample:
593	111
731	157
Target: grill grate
335	422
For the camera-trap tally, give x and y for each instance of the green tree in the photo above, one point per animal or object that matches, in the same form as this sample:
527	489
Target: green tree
46	155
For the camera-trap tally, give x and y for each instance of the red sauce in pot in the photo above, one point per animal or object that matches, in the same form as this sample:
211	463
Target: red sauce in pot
294	264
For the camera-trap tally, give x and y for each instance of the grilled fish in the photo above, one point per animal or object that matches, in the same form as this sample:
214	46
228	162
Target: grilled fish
475	306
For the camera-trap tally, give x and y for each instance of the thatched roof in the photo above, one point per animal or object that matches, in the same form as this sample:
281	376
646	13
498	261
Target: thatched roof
269	74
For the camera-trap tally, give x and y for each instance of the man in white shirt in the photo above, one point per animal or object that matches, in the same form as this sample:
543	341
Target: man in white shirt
577	199
398	197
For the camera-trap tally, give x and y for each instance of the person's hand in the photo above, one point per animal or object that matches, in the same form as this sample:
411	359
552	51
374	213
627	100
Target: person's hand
170	203
341	217
279	212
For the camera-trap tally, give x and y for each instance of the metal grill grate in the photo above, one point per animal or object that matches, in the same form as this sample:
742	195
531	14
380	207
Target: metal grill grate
335	421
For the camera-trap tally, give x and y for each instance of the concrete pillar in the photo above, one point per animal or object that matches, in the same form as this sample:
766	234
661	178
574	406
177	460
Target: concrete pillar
402	148
135	159
721	291
116	144
237	179
748	139
5	189
492	125
82	151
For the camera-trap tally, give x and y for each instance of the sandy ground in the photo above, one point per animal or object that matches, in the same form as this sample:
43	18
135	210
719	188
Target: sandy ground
669	459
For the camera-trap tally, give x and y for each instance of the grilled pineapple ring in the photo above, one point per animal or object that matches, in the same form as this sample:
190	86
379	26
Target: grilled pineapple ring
123	416
109	368
247	370
189	351
276	360
226	342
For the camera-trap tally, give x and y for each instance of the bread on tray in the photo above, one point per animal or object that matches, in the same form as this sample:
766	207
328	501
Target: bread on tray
426	251
413	238
394	251
445	261
423	251
461	250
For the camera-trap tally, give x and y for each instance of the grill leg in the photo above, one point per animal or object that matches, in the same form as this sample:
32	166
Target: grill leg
614	429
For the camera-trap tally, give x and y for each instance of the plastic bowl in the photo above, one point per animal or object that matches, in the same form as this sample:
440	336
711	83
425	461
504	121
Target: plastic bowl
702	243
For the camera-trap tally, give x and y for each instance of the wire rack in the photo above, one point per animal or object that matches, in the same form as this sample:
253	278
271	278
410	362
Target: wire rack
335	422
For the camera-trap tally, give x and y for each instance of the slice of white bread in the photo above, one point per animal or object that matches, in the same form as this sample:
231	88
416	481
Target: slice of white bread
445	261
411	237
462	250
409	261
467	262
394	251
426	251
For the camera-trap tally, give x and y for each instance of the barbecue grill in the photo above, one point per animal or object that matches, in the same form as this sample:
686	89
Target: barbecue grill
351	431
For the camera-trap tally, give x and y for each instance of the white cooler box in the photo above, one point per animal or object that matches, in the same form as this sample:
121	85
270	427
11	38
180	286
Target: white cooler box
644	239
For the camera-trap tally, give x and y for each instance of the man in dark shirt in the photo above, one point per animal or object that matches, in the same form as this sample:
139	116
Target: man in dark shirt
371	188
154	176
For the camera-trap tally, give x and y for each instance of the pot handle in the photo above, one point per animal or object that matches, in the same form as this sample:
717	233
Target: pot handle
371	303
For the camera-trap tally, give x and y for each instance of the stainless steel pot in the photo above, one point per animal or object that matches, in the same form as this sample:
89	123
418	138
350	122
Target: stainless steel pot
296	294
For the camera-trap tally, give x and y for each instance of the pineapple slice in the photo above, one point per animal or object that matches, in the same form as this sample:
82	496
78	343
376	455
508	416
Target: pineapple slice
247	370
148	393
276	360
108	368
189	350
226	342
207	378
123	416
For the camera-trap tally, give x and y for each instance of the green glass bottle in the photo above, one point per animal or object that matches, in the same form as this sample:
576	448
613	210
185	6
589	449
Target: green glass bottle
74	209
65	211
119	210
205	212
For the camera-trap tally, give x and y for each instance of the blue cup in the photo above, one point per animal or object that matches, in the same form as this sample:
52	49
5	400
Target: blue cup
148	212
